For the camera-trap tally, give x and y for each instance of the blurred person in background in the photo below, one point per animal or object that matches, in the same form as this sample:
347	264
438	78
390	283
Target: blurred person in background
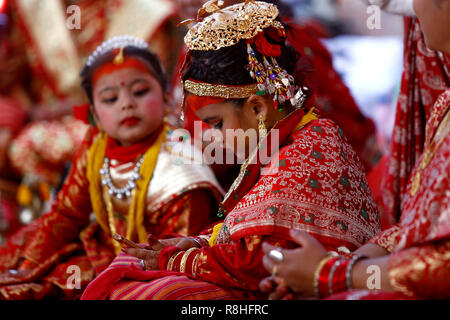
44	44
425	77
412	257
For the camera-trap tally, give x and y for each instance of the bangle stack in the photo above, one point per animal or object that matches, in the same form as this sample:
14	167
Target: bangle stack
172	260
183	261
333	275
201	241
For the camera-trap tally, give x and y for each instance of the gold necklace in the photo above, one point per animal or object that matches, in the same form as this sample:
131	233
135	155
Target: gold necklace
431	150
110	210
307	118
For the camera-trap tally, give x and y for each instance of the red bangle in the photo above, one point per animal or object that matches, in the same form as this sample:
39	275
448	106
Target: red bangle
324	277
338	282
190	262
165	255
177	261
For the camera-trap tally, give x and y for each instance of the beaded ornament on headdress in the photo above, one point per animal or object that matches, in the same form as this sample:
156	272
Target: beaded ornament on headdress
118	42
227	26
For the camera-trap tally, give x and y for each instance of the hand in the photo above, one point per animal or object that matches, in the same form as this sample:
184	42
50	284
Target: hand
186	244
149	253
297	269
182	243
275	291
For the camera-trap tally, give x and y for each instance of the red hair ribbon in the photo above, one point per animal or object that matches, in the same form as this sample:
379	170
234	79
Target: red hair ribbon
81	113
265	47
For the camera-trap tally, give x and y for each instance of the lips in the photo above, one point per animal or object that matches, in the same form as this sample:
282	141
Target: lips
130	121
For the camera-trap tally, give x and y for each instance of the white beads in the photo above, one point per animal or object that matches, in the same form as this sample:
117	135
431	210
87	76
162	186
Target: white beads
116	43
124	192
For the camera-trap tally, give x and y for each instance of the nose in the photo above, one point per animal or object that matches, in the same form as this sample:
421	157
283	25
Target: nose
128	102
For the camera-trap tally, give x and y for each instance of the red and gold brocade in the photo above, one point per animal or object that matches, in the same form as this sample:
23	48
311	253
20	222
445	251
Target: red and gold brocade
419	264
67	235
425	77
314	172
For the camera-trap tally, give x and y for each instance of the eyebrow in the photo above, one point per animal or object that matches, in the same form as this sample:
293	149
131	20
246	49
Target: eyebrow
131	84
210	118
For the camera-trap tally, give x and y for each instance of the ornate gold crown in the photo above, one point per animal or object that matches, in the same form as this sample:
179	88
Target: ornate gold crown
226	27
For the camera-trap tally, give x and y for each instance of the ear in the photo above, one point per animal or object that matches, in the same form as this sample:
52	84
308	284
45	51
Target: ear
94	114
257	105
168	99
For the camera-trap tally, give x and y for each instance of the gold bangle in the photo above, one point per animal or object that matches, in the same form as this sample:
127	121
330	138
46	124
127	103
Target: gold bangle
206	239
172	260
317	272
194	267
184	259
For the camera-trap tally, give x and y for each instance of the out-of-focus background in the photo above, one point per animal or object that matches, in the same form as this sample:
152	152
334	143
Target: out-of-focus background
370	61
44	43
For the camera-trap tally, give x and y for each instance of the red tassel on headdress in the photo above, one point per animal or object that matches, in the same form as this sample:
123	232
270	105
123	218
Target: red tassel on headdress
265	47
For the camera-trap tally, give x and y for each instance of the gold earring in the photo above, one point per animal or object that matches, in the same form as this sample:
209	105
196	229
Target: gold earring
262	129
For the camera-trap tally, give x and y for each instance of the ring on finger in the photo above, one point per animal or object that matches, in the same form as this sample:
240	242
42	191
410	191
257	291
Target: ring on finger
274	270
276	255
143	263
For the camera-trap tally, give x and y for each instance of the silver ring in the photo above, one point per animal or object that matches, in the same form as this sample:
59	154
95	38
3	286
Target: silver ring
276	255
143	263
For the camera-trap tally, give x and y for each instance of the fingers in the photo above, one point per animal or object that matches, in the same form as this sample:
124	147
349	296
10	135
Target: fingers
154	243
278	293
267	247
268	264
140	253
267	285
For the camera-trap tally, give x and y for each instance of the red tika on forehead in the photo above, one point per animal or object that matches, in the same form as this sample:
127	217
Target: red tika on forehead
110	67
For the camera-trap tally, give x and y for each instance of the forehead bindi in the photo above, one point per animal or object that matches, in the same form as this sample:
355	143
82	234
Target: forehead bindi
121	79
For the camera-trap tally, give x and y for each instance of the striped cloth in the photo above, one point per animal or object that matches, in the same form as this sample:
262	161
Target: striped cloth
125	279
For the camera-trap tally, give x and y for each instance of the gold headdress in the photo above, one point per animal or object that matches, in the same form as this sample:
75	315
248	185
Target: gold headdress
225	27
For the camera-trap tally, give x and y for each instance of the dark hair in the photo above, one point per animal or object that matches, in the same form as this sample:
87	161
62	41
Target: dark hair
149	58
228	65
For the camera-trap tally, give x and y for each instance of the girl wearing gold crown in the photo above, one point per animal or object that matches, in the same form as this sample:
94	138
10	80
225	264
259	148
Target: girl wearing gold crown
237	76
125	173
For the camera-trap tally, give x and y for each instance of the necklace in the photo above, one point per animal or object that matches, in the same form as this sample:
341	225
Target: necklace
126	191
307	118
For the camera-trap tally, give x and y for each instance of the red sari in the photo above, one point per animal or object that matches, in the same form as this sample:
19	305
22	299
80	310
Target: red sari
419	265
70	236
314	169
425	77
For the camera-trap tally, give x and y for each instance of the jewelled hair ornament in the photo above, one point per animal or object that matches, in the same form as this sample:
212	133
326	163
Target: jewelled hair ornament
247	21
118	42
